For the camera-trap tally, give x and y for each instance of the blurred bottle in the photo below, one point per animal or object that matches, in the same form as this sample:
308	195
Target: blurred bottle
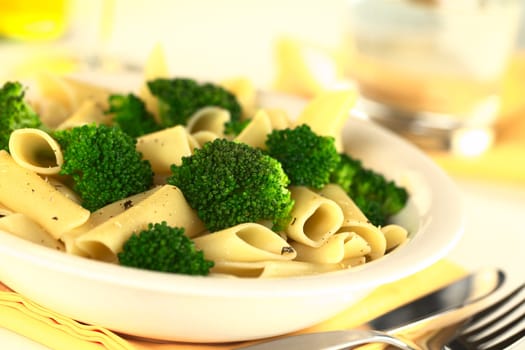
33	20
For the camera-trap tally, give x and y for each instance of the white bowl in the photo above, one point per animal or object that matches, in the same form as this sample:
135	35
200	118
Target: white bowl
205	309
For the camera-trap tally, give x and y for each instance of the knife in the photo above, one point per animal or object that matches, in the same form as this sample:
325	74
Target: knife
469	289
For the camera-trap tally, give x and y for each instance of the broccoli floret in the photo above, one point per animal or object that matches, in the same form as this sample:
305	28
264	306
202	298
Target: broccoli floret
229	183
15	112
377	197
179	98
130	114
234	128
164	248
103	163
307	158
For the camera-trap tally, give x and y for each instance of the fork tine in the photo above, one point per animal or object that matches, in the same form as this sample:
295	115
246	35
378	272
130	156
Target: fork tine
482	334
496	306
489	337
508	341
496	320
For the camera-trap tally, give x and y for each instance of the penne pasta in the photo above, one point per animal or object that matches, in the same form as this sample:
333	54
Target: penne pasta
4	211
166	203
371	234
327	230
88	112
58	99
245	93
36	150
256	132
332	252
22	190
208	119
245	242
166	147
155	67
355	246
279	119
22	226
272	269
327	113
314	218
351	211
395	235
201	137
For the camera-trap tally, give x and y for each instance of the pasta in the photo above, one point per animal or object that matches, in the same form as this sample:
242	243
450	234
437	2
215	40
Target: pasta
245	242
327	230
165	203
88	112
23	227
373	236
22	191
208	119
314	218
155	67
36	150
255	133
166	147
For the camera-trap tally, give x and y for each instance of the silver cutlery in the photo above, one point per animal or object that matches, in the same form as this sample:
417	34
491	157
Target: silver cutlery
496	327
466	291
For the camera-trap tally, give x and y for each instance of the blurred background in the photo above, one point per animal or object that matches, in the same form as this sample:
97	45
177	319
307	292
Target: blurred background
385	47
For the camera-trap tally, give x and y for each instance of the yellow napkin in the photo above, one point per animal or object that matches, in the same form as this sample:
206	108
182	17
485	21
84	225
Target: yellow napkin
57	332
22	316
306	69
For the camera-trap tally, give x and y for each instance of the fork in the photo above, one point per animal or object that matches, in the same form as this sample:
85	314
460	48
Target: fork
457	329
497	327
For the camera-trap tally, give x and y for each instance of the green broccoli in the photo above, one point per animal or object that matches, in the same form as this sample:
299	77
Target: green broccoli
234	128
307	158
164	248
229	183
15	112
103	163
130	114
376	196
179	98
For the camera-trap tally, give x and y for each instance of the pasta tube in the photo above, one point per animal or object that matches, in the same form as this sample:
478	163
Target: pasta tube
36	150
167	203
272	269
22	191
166	147
208	119
351	211
20	225
257	131
245	242
371	234
314	218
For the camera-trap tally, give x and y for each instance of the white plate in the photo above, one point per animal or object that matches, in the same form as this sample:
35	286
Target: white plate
204	309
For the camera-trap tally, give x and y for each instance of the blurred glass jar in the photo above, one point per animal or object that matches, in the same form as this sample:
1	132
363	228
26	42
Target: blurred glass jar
431	69
30	20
